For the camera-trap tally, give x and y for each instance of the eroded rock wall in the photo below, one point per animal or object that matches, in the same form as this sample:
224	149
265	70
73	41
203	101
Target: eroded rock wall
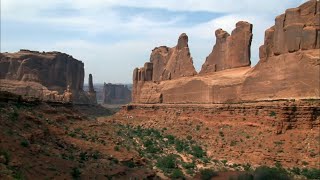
54	73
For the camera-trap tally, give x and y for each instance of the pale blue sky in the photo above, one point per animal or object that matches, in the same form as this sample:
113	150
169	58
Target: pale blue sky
112	37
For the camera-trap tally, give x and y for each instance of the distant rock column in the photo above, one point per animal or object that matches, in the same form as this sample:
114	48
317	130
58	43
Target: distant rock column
91	89
92	93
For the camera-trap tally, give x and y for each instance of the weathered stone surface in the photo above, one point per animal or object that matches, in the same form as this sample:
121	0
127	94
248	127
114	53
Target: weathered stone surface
230	51
293	36
135	74
309	37
53	71
148	66
116	94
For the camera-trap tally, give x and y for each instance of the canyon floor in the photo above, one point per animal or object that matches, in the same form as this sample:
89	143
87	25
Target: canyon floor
43	141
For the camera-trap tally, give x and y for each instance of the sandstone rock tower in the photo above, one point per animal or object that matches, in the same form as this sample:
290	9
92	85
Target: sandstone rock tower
92	93
172	63
230	51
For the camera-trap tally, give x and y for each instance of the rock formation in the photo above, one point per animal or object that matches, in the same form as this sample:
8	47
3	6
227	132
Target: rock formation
116	94
43	75
165	64
92	93
230	51
172	63
288	68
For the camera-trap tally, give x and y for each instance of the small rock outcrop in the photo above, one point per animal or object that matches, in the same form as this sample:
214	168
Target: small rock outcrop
49	76
230	51
116	94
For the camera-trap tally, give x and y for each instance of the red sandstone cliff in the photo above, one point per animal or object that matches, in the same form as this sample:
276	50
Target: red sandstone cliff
289	65
51	76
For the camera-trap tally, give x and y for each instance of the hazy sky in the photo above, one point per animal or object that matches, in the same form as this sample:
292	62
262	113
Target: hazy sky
112	37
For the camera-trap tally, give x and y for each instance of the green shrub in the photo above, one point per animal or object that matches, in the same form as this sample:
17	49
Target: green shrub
266	173
295	170
170	139
24	143
75	173
272	114
180	145
117	148
247	167
245	176
177	174
129	164
167	163
207	174
198	152
189	137
14	115
6	155
188	165
311	173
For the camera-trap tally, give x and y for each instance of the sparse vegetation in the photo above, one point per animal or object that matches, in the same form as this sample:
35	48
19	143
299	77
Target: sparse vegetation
207	174
76	173
272	114
24	143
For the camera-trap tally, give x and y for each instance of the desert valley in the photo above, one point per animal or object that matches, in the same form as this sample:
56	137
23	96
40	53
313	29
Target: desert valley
230	120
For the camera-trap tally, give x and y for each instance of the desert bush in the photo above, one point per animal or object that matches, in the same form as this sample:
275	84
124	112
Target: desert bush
117	148
311	173
167	163
6	156
198	152
267	173
76	173
272	114
177	174
24	143
170	138
207	174
188	165
14	115
246	176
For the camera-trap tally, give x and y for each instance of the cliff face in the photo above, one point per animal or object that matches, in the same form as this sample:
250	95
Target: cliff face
116	94
54	70
52	73
289	65
230	51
